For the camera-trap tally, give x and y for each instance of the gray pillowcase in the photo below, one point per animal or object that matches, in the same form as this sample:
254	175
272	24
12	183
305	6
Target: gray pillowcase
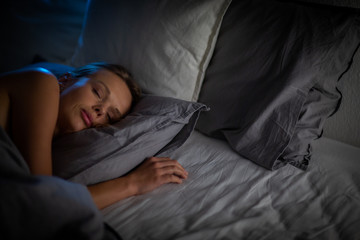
155	127
272	80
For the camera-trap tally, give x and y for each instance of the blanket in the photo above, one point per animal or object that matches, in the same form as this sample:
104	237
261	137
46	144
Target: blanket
44	207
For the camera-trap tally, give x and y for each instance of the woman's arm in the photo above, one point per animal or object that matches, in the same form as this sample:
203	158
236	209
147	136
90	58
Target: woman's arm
34	96
152	173
34	101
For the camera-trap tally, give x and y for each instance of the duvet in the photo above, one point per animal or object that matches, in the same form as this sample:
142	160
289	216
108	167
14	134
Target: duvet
44	207
228	197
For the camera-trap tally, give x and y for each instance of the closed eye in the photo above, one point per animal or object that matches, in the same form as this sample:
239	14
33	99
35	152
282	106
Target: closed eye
109	118
96	92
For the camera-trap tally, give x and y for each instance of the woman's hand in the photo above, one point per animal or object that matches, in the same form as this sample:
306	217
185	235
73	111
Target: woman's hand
154	172
150	174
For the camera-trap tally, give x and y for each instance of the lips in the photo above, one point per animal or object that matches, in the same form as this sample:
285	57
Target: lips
86	117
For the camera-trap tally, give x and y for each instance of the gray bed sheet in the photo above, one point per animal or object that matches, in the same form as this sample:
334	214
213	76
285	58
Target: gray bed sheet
229	197
44	207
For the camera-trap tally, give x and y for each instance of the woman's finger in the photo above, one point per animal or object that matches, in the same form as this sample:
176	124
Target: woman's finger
172	170
164	162
171	163
171	178
158	159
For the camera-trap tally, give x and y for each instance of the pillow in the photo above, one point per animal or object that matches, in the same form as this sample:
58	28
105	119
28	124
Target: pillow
156	126
166	44
272	80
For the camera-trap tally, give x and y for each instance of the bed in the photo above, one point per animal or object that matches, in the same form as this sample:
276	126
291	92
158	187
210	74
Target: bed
256	99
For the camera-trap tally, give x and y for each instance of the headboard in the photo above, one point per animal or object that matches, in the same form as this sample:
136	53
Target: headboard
344	125
340	3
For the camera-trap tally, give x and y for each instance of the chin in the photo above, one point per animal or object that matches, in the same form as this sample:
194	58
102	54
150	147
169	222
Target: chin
74	127
78	129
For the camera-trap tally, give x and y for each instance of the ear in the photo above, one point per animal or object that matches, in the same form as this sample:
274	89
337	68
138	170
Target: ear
65	81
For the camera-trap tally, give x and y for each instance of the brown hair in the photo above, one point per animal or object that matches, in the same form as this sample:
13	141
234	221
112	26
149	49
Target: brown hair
119	70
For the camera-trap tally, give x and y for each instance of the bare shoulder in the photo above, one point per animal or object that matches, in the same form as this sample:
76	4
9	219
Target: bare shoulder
33	90
34	79
21	87
34	101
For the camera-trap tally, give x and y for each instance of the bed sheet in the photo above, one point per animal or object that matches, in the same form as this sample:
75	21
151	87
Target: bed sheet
229	197
43	207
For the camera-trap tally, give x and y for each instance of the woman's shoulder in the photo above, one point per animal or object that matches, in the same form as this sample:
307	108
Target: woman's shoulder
31	88
29	93
33	102
29	79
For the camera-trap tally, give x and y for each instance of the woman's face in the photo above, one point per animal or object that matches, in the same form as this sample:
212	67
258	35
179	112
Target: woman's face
94	100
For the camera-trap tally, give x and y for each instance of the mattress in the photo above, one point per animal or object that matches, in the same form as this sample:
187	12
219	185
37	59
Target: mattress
228	197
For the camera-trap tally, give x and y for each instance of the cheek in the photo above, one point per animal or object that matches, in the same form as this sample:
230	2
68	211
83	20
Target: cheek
69	120
69	112
75	95
76	124
76	98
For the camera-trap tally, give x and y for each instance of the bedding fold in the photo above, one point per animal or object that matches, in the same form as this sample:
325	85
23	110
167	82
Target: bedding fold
43	207
228	197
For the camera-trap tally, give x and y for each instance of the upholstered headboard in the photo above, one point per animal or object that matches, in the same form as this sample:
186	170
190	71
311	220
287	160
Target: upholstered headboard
345	124
341	3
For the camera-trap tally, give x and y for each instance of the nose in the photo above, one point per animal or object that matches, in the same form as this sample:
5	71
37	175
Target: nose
99	110
100	115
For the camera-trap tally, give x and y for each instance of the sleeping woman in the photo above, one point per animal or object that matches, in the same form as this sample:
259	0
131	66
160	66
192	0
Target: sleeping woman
35	107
